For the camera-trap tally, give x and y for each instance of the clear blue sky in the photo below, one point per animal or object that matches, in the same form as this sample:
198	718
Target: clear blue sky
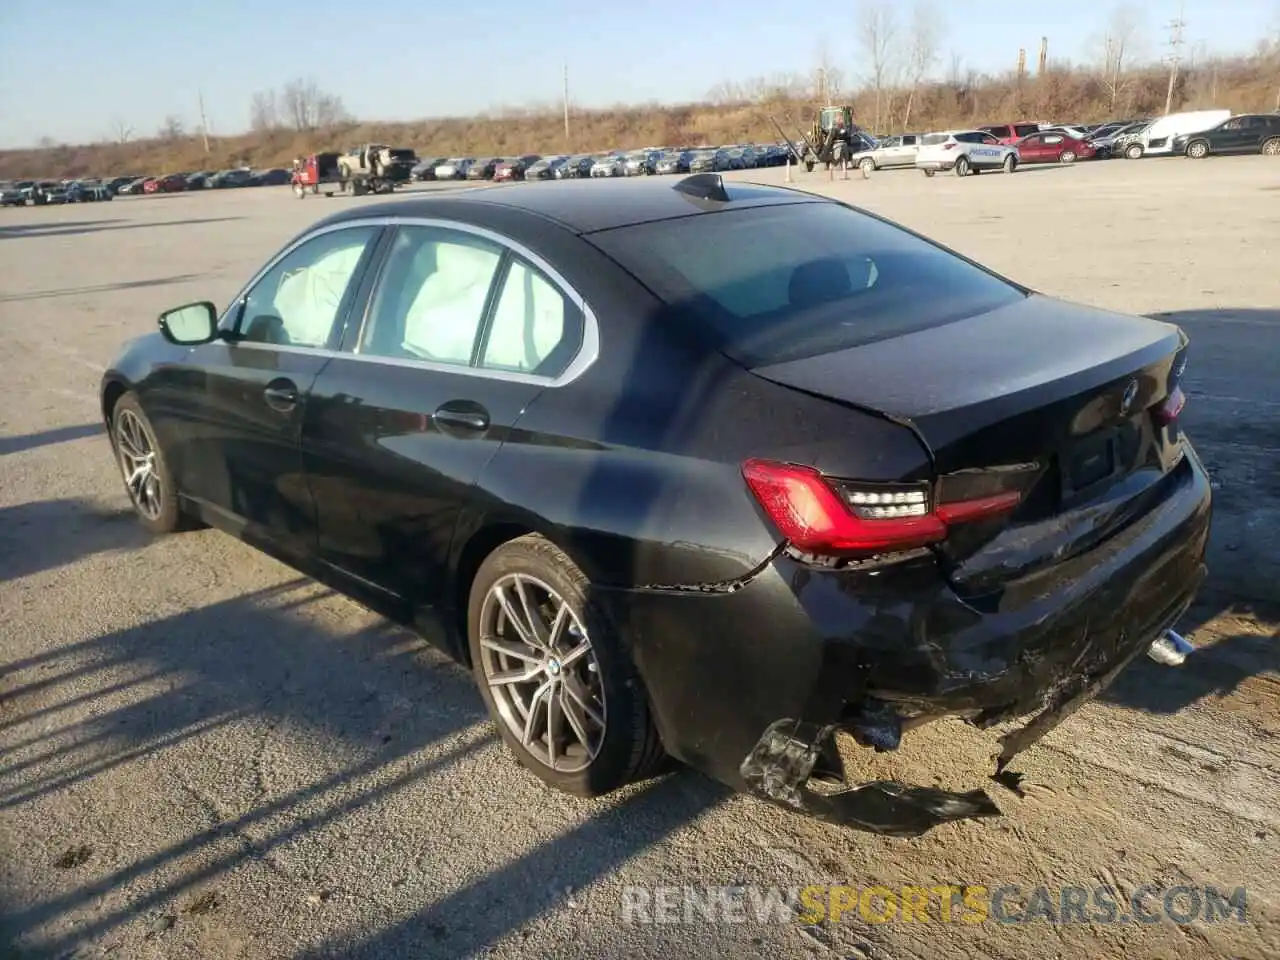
73	69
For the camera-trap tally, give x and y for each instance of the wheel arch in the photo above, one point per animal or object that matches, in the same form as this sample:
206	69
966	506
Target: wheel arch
113	388
471	549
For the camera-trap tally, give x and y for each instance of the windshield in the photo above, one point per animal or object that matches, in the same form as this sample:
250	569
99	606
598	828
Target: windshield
778	283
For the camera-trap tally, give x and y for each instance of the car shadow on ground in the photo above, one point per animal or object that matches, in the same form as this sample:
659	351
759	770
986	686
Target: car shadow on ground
73	228
44	535
99	288
31	441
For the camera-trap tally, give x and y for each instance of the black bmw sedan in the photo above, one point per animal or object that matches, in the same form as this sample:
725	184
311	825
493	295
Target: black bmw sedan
709	471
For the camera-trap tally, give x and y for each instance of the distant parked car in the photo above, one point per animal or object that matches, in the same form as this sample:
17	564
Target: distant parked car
1250	133
1010	133
546	168
1052	146
11	195
891	152
612	166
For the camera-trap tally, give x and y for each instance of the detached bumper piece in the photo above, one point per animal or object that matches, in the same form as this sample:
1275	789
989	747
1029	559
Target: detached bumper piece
779	768
782	764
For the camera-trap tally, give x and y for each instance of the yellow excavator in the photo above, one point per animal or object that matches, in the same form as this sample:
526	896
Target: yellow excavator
833	137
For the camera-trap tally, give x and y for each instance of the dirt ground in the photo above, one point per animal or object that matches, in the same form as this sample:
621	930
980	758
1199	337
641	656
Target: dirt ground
205	755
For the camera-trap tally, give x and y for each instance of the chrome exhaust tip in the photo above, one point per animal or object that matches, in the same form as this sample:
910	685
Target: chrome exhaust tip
1170	648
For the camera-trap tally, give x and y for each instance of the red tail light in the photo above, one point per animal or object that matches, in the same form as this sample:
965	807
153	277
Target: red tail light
1168	411
948	146
841	517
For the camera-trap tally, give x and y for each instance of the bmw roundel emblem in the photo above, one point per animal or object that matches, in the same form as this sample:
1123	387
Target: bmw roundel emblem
1130	395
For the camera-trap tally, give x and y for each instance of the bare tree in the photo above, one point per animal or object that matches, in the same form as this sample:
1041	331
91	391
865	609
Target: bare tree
1118	50
172	128
828	79
121	132
264	112
877	30
46	143
923	51
307	107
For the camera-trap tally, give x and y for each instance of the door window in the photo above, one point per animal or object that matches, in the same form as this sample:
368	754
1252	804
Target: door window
431	297
535	328
298	301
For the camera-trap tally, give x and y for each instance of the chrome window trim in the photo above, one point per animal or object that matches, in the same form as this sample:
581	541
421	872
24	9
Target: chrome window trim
588	350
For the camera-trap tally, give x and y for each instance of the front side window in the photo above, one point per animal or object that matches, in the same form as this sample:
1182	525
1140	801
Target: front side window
298	301
1025	129
431	296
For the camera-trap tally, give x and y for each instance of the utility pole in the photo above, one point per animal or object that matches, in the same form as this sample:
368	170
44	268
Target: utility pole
566	106
1176	28
204	120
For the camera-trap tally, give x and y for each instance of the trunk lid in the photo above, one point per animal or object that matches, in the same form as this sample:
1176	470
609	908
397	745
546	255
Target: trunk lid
1041	396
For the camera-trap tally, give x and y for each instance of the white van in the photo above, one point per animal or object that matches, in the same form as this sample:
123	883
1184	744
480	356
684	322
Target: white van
1158	138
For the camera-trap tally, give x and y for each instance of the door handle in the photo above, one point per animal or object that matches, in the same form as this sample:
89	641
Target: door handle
281	395
463	415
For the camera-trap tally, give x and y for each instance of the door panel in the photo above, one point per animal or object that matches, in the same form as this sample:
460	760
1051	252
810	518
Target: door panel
237	437
460	336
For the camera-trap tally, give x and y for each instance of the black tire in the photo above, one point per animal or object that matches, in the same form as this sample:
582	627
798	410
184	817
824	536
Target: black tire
629	747
1010	163
962	167
929	173
1197	149
1271	148
867	164
1133	151
1067	156
168	518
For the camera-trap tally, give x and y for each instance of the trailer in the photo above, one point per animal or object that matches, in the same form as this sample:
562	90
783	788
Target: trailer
372	168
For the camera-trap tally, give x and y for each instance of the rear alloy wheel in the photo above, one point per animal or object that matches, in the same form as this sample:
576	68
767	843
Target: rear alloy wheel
868	165
1010	163
1272	147
1133	151
1197	149
553	673
1067	156
151	489
962	166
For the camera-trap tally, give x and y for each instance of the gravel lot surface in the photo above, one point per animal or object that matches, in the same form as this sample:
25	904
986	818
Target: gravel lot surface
204	755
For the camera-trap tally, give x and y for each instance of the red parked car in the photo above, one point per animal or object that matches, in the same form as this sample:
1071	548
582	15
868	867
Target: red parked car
173	183
1008	133
1052	146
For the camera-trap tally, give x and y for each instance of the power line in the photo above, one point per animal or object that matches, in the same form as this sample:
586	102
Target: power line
1176	40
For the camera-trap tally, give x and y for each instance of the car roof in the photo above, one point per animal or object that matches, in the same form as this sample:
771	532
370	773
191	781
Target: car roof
584	207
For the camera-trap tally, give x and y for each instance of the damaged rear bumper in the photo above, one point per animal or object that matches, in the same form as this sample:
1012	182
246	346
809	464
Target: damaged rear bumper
752	686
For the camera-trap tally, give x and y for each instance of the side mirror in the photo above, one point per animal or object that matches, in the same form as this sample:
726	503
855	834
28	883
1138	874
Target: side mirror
190	325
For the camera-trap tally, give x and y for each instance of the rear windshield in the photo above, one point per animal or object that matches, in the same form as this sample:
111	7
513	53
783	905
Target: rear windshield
771	284
1025	129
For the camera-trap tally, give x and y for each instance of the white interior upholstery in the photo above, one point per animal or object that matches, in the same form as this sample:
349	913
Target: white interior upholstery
442	319
528	322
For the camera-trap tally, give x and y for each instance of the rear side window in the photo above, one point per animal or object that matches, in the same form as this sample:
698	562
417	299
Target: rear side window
933	139
771	284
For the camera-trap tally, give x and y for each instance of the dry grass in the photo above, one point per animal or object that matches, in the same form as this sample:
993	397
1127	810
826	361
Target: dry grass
1062	94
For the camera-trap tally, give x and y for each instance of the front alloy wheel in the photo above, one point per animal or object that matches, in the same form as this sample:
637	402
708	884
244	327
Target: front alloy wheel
142	465
1198	150
138	465
542	672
